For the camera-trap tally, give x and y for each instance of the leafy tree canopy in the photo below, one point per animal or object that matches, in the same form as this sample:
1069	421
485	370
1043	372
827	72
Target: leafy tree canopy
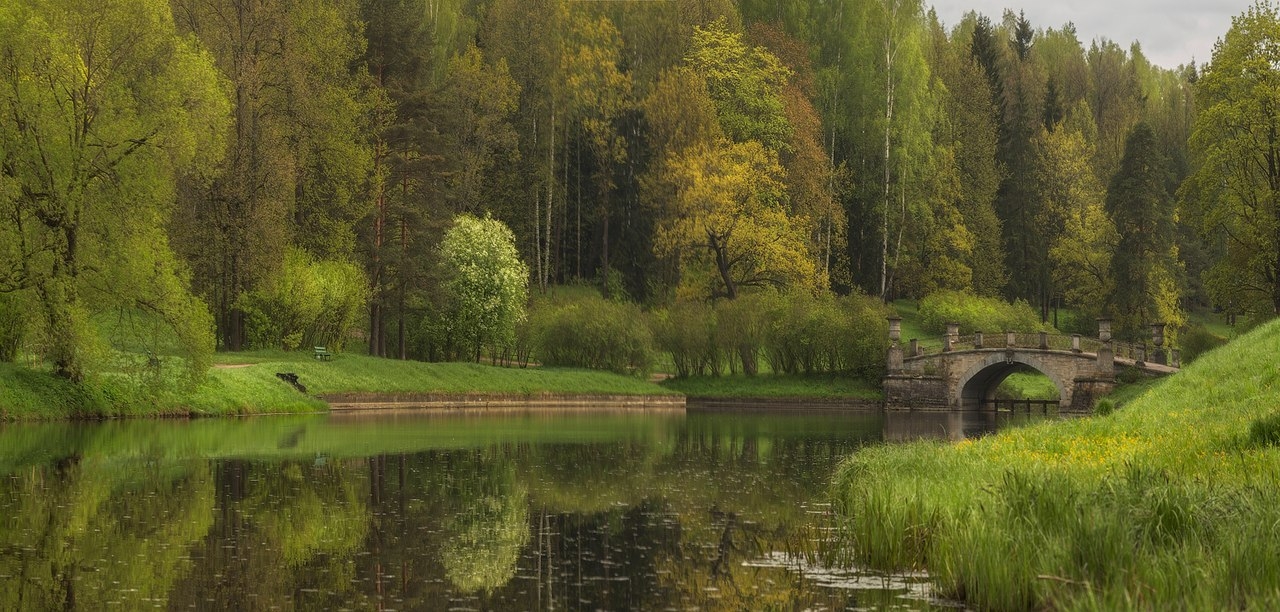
746	84
486	282
104	105
1234	191
730	227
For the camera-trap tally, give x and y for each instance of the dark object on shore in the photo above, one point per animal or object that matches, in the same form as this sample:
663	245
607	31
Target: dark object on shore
292	379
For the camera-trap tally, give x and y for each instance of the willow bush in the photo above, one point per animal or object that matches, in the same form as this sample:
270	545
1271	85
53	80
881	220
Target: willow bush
794	333
827	334
591	332
687	331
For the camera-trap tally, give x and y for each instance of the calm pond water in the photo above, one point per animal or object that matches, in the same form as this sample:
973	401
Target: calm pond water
551	511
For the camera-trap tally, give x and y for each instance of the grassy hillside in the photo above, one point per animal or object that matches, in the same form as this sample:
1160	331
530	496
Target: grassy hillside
246	383
1171	502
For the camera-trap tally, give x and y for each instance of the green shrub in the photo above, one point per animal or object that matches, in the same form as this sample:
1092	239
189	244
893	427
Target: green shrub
688	332
1197	340
864	342
308	303
787	345
592	332
1130	376
826	334
740	330
975	313
797	333
1104	407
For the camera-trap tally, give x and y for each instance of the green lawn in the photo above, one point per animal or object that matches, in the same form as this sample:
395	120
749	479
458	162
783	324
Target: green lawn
909	310
1027	385
246	383
1171	502
1215	323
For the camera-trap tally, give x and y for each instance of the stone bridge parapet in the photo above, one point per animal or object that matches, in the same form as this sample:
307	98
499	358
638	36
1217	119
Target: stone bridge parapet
964	373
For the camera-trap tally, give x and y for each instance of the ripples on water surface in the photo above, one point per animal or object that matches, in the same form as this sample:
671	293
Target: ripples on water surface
613	511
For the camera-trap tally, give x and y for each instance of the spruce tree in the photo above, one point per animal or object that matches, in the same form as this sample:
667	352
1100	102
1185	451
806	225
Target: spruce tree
1144	264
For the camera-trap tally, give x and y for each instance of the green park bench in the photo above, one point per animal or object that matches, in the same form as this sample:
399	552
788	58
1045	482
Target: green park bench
323	354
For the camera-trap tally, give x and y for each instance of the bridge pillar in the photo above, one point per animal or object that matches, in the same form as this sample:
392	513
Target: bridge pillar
1106	361
1086	391
895	347
1106	354
953	334
977	340
1157	338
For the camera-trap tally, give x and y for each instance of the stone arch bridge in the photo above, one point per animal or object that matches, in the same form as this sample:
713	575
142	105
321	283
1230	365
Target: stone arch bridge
964	373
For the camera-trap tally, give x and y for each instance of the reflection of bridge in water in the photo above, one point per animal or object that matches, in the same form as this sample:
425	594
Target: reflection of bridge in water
902	426
964	372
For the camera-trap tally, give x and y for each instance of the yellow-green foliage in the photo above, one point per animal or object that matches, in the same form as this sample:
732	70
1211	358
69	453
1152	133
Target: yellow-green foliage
1167	503
307	303
975	313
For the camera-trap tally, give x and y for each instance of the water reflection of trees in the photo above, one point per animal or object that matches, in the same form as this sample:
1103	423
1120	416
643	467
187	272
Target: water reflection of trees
85	533
488	525
652	519
284	536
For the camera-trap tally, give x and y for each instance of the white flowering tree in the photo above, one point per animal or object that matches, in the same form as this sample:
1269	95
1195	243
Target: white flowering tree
486	283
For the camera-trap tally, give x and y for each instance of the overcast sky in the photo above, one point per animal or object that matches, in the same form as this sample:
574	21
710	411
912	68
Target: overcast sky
1171	32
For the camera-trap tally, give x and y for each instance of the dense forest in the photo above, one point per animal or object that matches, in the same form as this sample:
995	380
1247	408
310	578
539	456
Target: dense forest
196	161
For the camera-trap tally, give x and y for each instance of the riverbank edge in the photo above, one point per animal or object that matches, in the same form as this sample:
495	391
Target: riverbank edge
712	403
356	402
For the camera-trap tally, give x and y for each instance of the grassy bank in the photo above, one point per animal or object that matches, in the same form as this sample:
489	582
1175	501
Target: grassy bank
246	383
1170	502
770	386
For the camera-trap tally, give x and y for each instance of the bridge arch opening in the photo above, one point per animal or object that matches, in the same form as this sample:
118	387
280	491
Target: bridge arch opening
978	387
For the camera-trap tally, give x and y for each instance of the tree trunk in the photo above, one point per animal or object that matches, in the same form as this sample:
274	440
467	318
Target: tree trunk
376	347
537	222
604	247
1273	175
890	51
722	266
551	184
58	296
375	316
750	366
